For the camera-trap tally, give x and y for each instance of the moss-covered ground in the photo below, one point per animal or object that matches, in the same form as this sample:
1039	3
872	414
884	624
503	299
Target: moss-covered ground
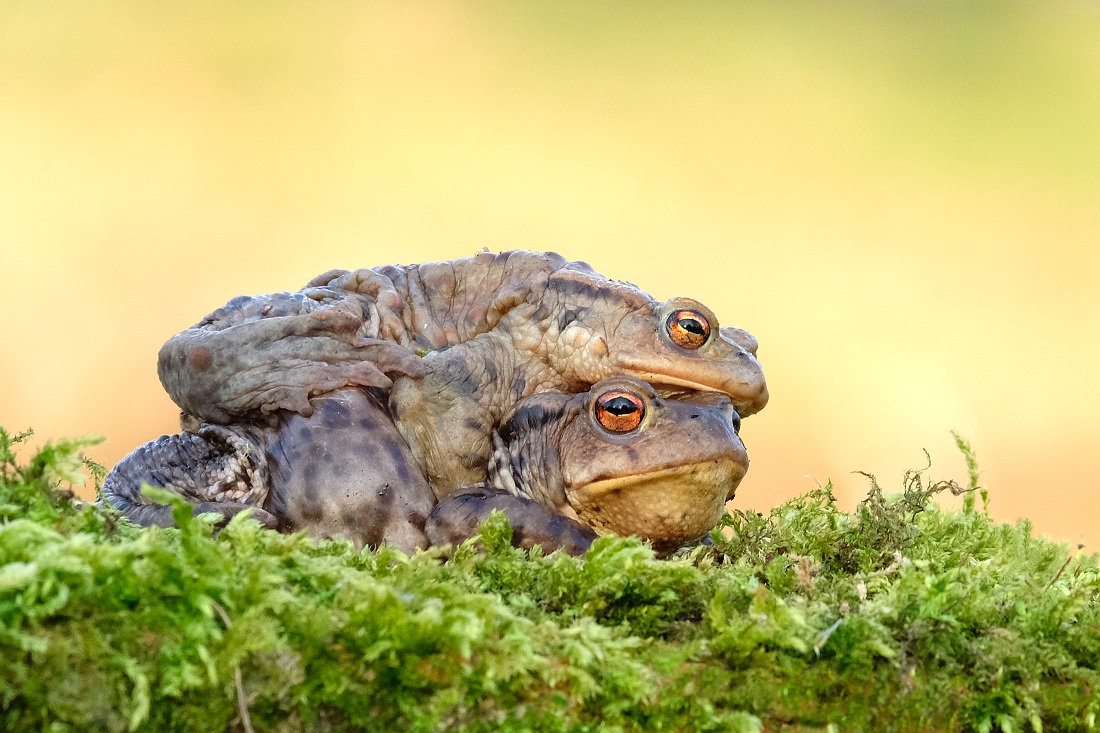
899	616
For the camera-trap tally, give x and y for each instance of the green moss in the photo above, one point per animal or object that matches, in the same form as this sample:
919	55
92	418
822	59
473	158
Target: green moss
899	616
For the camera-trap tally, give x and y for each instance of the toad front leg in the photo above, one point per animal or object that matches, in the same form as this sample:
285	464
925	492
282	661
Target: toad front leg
456	518
447	416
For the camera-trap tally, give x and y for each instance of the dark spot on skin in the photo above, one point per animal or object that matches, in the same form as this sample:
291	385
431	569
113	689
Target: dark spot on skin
632	453
473	423
518	385
579	287
491	371
454	371
377	533
571	315
530	417
367	424
417	520
400	465
517	536
335	415
311	512
596	509
377	518
309	480
199	359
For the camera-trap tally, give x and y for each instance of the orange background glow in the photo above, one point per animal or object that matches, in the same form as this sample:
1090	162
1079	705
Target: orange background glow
901	201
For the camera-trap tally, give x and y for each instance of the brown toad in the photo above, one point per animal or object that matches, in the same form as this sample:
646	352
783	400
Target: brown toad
618	459
565	469
493	329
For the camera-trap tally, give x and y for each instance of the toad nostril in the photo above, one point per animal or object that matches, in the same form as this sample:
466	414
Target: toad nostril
693	417
736	420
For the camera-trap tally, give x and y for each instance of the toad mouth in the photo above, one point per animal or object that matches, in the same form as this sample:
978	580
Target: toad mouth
661	381
698	476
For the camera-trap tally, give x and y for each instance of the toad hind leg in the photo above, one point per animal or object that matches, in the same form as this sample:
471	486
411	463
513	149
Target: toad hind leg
219	470
346	471
456	518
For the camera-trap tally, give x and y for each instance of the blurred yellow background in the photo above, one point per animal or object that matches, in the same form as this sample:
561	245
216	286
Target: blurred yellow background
900	200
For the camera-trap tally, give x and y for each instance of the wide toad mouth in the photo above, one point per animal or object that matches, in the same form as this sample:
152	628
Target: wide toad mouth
716	475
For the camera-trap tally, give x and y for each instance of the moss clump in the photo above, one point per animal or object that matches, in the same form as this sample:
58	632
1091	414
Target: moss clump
898	616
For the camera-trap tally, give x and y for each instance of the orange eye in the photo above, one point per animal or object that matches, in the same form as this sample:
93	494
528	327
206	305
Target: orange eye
619	412
688	329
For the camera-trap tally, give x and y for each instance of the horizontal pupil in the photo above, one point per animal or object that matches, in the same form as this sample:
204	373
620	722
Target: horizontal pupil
620	406
692	326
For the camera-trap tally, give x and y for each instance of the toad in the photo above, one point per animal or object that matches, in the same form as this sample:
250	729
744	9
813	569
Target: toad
456	344
564	468
619	459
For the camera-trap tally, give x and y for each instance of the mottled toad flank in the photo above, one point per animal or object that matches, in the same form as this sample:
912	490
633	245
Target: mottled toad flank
342	471
492	328
565	469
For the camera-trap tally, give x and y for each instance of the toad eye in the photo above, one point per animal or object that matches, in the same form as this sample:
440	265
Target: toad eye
688	329
619	412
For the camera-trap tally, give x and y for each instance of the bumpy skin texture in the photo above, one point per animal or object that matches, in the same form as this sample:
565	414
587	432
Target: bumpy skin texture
561	477
558	472
493	329
344	471
220	470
